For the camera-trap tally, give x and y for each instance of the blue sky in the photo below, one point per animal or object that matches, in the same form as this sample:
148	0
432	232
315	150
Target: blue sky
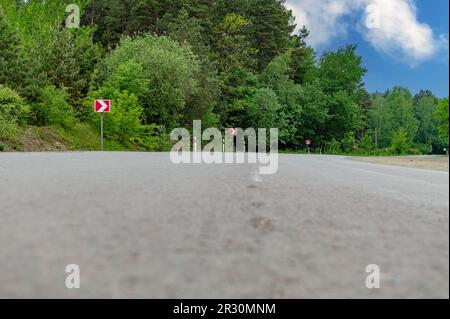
402	42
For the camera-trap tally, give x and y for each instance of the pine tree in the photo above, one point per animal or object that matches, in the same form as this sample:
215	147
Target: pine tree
10	64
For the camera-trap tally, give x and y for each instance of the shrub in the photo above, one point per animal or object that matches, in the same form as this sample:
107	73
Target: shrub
9	131
12	106
125	117
52	108
124	122
154	139
169	70
2	147
400	142
333	147
349	143
366	144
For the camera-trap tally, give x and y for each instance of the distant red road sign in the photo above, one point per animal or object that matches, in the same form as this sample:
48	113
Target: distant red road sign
233	131
308	142
102	106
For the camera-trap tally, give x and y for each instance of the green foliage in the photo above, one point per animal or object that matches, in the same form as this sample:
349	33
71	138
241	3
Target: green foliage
2	147
313	116
9	131
349	143
367	144
344	116
401	105
380	120
154	138
342	71
441	115
333	147
263	109
400	142
233	46
124	88
12	107
124	122
424	107
170	70
10	54
52	108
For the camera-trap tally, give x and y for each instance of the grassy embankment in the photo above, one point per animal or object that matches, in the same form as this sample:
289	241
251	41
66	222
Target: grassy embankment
82	137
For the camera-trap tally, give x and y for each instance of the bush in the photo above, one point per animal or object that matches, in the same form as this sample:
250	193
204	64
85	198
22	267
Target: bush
169	70
349	143
123	89
154	139
12	106
400	142
366	144
125	118
333	147
2	147
52	108
9	131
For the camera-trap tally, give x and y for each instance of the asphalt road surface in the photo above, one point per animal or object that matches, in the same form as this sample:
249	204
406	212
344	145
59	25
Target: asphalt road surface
139	226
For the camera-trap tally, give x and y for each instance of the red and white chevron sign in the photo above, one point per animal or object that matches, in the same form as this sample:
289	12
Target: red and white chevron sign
102	106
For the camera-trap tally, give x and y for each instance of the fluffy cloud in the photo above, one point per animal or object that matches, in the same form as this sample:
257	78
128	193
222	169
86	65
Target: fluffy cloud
391	26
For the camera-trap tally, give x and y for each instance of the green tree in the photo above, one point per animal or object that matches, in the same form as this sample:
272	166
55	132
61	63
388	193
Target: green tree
349	143
400	142
400	102
424	108
233	46
344	116
188	30
441	115
263	109
271	26
380	120
12	107
276	76
367	143
170	70
11	64
53	108
342	71
125	87
314	104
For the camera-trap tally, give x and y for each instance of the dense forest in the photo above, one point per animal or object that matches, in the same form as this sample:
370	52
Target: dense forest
165	63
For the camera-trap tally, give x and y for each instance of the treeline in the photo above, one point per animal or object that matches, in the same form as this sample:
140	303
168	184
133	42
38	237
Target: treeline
230	63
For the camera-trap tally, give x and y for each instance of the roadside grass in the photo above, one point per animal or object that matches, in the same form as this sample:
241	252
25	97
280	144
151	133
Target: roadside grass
82	137
10	134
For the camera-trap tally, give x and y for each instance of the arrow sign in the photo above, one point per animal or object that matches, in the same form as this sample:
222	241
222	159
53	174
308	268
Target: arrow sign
102	106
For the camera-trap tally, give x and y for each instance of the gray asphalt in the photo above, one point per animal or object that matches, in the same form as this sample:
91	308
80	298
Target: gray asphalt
141	227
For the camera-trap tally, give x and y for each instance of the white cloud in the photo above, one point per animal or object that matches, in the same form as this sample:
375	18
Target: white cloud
391	26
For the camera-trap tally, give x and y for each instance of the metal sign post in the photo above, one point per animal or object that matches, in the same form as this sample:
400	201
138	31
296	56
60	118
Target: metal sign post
101	131
308	146
102	106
